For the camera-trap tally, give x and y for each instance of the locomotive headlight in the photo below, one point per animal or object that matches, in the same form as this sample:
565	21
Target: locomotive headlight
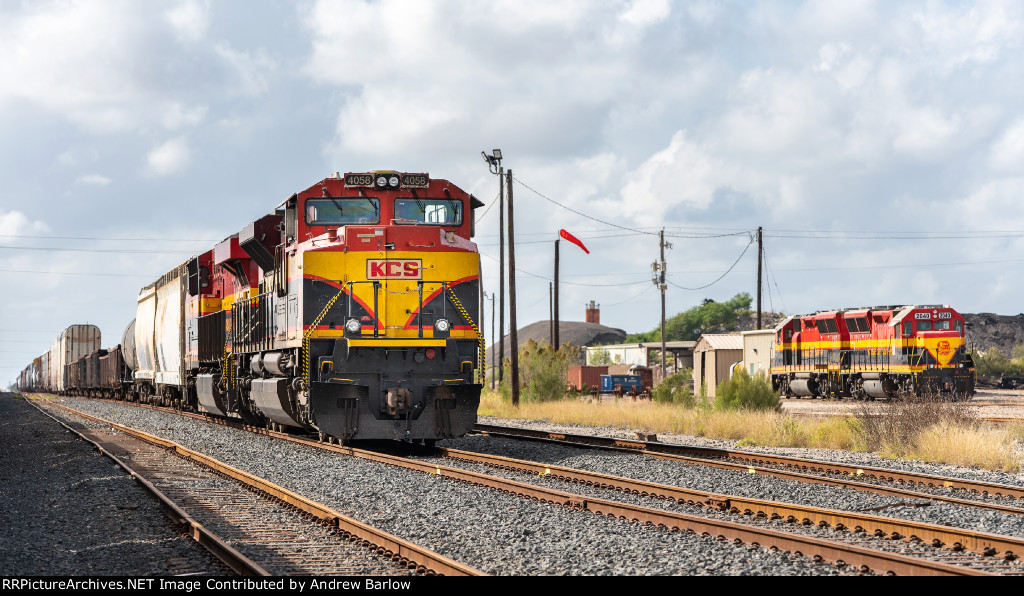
393	181
382	181
353	327
442	325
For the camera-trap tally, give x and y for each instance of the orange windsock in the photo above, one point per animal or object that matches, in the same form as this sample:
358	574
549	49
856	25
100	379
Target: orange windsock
573	239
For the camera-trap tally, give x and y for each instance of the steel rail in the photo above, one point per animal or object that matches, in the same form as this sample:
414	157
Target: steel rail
983	543
392	545
221	550
837	553
711	453
842	482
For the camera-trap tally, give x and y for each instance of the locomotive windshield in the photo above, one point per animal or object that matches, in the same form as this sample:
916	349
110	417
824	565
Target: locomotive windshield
428	211
340	211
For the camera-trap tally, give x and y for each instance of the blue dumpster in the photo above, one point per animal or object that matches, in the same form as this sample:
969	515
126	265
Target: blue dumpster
608	382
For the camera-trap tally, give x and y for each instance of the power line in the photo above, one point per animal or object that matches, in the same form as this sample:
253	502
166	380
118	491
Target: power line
637	295
108	238
81	273
108	250
551	279
745	249
848	235
771	275
521	183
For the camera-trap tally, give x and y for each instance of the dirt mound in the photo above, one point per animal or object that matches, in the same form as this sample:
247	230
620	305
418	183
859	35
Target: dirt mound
986	330
574	333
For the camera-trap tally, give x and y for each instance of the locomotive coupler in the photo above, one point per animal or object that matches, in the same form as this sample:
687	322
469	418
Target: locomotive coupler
397	399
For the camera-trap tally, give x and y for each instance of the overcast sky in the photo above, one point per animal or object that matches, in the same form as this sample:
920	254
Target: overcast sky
880	144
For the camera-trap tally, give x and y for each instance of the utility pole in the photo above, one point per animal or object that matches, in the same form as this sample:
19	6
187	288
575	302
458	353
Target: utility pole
551	317
659	280
555	309
513	330
494	164
760	251
494	372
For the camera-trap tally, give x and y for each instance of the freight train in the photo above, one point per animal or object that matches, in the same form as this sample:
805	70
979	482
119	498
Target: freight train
352	310
875	352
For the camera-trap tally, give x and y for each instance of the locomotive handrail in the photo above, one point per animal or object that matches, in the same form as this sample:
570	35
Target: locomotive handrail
445	287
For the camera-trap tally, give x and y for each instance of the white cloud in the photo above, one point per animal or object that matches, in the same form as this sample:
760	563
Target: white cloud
169	158
190	20
120	66
92	180
15	223
176	115
1007	154
642	13
925	133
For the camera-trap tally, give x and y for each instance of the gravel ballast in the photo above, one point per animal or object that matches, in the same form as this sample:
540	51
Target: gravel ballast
496	533
500	534
65	509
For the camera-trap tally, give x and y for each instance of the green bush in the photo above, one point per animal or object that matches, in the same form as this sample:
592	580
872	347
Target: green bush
543	372
745	392
676	390
993	364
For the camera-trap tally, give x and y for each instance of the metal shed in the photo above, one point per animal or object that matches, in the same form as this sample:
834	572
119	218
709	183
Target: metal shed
713	356
757	350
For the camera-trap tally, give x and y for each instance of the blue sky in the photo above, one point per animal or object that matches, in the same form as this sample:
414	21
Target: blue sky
879	144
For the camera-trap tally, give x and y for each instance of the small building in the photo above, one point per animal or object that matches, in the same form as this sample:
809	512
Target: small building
713	356
757	350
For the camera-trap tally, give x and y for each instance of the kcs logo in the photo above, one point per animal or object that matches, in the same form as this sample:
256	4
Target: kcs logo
394	269
943	348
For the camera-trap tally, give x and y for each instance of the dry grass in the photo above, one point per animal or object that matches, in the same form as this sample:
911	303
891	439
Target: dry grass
983	446
932	433
749	427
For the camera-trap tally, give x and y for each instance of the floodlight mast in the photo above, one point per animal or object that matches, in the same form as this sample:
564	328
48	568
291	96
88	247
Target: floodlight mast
494	165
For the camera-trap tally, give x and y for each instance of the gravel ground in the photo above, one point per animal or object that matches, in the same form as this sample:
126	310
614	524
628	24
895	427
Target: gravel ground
825	455
496	533
506	535
67	510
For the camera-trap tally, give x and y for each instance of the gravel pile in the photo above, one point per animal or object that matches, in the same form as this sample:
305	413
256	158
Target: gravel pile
67	510
496	533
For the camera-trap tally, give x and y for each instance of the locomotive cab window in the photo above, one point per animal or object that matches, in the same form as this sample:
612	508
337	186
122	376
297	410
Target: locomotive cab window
924	325
942	325
413	211
341	211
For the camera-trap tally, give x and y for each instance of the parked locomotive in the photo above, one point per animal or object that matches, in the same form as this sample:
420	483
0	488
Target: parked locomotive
876	352
350	310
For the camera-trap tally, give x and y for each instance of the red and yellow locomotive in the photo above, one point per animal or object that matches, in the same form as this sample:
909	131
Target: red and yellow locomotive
876	352
352	310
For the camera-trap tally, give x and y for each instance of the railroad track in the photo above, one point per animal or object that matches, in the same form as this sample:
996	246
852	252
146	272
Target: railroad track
252	525
852	527
850	541
877	480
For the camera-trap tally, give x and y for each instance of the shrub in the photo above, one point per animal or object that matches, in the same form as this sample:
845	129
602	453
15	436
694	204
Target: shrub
895	429
543	372
745	392
676	390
